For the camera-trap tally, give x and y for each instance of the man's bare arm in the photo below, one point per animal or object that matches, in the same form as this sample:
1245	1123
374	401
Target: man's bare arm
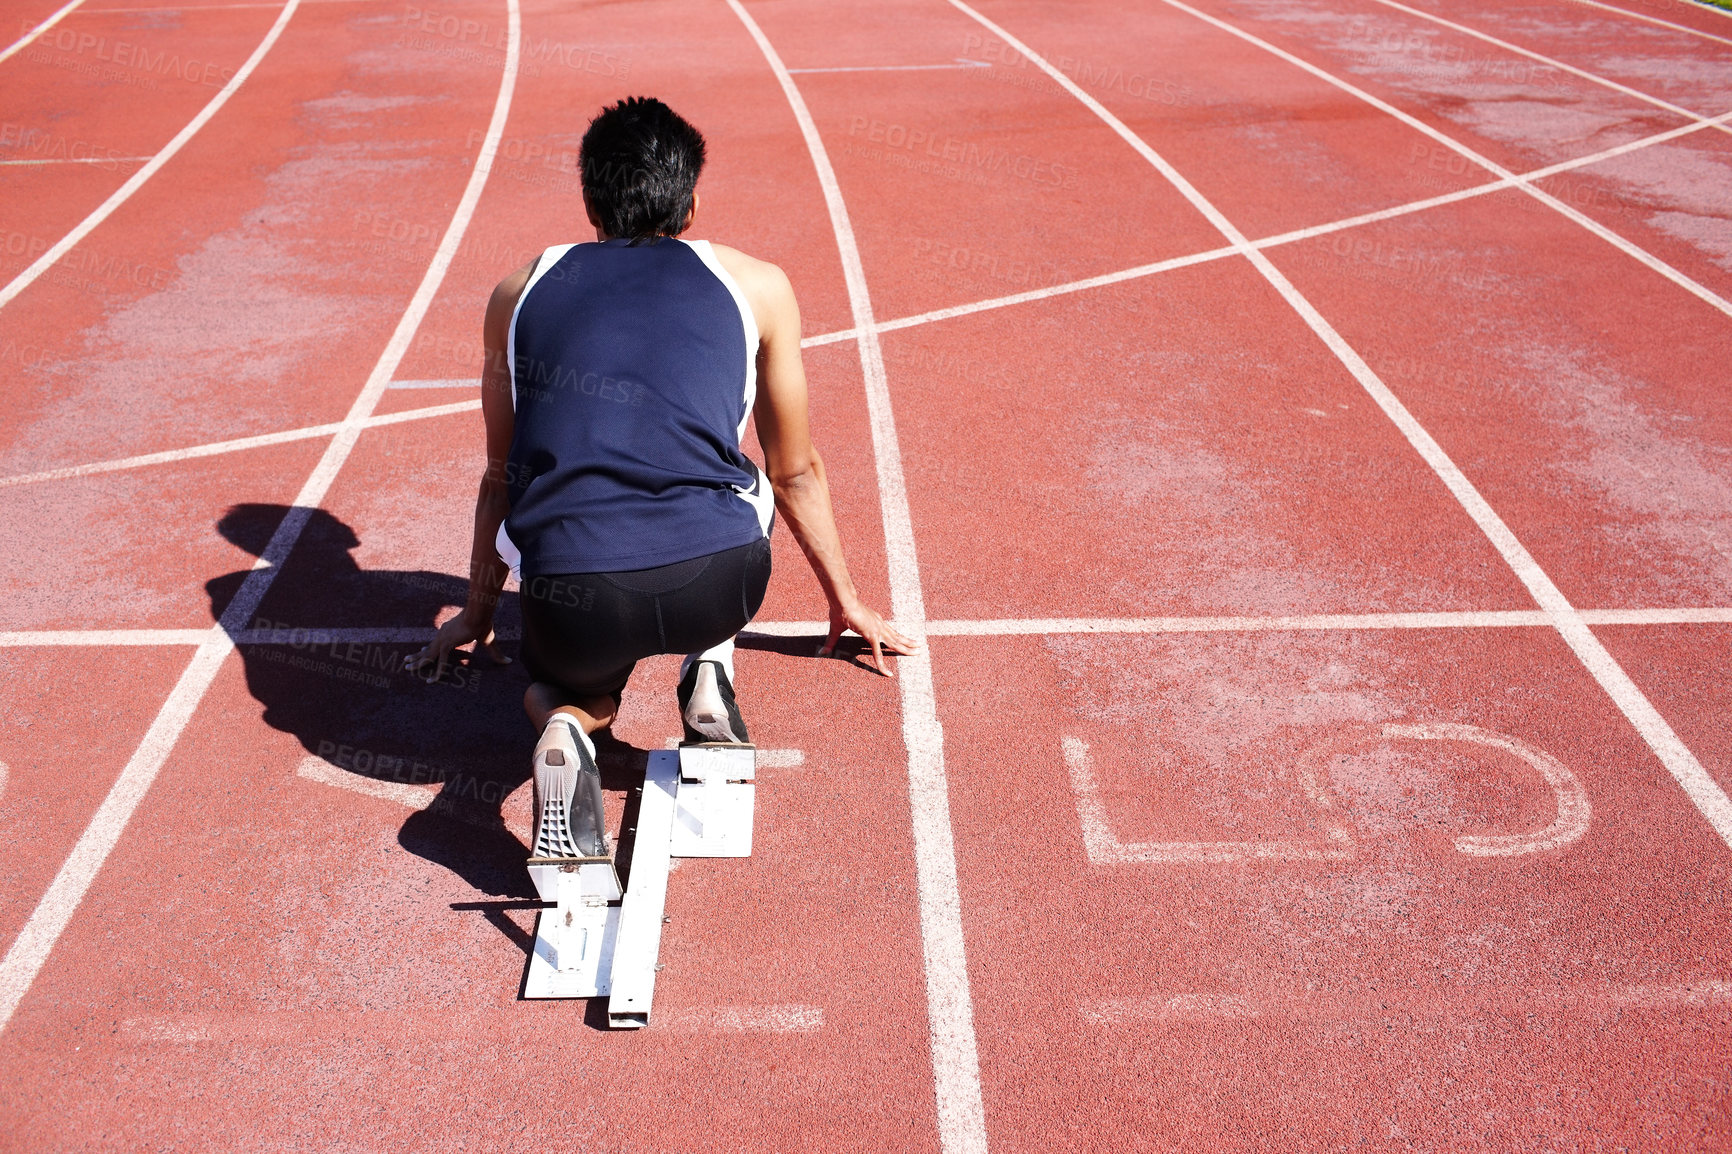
487	572
794	466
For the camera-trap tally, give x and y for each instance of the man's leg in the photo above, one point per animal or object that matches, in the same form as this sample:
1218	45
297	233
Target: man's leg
723	653
569	822
706	695
542	700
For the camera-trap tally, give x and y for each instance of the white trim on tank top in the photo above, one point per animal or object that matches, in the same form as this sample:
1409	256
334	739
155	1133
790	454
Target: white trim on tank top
707	253
546	261
759	496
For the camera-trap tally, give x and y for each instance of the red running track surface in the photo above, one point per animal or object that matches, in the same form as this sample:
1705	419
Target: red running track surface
1257	803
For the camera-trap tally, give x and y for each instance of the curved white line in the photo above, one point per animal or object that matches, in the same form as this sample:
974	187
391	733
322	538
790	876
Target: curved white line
1550	62
24	41
1698	785
1573	813
238	444
1102	280
950	1010
134	182
1628	248
30	949
1662	23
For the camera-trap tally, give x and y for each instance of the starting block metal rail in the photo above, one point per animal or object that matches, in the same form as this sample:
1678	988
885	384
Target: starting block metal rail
598	941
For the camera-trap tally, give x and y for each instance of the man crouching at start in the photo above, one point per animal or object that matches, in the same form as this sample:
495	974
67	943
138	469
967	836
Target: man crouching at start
618	381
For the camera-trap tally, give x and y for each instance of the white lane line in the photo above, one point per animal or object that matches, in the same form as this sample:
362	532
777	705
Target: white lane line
1200	1007
1573	810
1628	248
1460	619
239	444
1701	994
1298	234
959	63
949	1006
1657	20
1551	62
935	315
136	181
1702	790
23	41
819	629
317	769
75	160
1042	626
177	9
30	949
52	638
992	627
418	798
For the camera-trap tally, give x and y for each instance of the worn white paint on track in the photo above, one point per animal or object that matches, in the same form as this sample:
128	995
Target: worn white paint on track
949	1006
1455	1004
1104	279
137	180
1657	20
238	444
1103	847
25	40
1551	62
1702	790
1629	248
30	949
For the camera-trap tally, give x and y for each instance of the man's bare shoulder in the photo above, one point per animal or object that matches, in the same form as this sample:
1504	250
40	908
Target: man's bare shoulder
508	290
755	276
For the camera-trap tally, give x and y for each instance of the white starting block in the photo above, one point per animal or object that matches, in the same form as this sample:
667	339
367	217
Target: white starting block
598	942
713	808
573	955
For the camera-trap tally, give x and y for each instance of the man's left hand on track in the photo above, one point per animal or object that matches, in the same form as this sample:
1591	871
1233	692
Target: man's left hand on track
442	653
876	632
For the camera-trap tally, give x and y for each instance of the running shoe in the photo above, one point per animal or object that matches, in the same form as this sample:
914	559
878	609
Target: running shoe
569	825
707	705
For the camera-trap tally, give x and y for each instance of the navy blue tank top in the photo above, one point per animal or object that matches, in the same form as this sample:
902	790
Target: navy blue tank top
633	371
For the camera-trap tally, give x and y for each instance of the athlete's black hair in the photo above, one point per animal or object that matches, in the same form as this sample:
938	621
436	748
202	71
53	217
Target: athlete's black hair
640	163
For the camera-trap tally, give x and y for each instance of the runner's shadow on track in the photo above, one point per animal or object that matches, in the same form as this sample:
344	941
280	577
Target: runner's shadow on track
353	707
849	647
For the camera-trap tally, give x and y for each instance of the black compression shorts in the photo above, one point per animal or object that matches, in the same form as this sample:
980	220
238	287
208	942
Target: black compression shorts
585	632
